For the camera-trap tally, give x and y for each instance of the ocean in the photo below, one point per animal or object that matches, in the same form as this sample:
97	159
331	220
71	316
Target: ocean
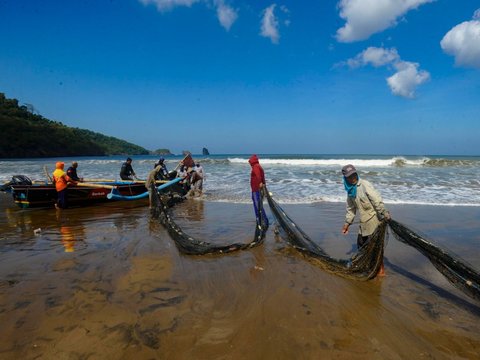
299	179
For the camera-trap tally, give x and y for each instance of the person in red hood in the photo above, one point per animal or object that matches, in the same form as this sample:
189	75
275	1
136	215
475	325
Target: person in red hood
257	182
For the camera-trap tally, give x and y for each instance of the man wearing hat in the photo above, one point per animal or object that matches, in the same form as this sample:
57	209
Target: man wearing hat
362	196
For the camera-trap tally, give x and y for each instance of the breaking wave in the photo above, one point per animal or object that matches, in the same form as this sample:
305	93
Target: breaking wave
398	161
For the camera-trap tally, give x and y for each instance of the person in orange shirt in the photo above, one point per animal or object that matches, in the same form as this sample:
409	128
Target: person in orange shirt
61	181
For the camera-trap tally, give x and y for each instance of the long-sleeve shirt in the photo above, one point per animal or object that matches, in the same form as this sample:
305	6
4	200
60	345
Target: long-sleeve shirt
127	171
163	173
370	207
72	173
152	176
61	179
199	170
257	176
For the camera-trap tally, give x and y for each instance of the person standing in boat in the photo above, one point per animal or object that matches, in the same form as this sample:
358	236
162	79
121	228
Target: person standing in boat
127	173
61	181
257	184
362	196
72	172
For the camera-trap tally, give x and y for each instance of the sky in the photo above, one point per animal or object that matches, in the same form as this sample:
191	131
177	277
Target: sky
395	77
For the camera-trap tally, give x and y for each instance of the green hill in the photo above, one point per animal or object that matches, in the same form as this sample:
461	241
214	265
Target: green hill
25	134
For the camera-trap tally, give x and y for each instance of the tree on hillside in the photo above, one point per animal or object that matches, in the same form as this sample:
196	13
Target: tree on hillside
26	134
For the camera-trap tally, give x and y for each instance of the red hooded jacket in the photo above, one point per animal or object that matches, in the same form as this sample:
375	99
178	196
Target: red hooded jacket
257	175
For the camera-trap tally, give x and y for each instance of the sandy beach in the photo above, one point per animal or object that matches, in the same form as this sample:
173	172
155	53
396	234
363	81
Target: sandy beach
106	282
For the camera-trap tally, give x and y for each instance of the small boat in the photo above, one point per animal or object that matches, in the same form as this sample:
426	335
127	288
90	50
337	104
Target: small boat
34	195
38	194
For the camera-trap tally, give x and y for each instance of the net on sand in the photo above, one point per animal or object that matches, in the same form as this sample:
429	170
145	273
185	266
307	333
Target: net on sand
186	244
457	271
363	265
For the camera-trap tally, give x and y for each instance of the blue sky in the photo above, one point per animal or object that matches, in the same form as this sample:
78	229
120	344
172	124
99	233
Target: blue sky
349	76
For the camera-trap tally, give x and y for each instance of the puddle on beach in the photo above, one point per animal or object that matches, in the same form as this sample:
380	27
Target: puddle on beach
106	282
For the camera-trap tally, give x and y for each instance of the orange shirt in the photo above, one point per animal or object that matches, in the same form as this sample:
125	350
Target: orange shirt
60	179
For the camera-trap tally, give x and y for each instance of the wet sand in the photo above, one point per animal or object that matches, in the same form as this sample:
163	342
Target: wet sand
106	282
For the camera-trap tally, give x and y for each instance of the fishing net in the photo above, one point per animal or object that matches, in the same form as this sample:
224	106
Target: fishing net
457	271
363	265
186	244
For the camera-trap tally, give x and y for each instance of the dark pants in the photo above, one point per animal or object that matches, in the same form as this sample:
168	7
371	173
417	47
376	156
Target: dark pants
258	207
361	240
62	199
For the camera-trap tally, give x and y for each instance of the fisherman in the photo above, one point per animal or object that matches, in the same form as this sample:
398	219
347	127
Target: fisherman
127	173
362	196
163	174
72	172
61	181
257	183
199	170
152	176
182	170
197	179
185	174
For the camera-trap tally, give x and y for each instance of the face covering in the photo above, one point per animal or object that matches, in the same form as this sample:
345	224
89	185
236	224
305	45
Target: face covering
350	188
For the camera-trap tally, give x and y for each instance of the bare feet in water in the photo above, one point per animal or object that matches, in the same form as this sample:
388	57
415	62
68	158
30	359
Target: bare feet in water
381	272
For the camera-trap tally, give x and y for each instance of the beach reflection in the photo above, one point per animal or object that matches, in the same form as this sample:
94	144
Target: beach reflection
194	209
69	237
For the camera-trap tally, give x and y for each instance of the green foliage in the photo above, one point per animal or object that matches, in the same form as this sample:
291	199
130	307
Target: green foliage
25	134
161	152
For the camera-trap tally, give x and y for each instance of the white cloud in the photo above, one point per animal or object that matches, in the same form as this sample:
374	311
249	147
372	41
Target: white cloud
226	14
407	76
269	26
463	42
476	14
405	81
165	5
286	11
375	56
366	17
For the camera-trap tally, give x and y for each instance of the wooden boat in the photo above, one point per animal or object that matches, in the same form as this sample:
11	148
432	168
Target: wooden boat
44	195
36	194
